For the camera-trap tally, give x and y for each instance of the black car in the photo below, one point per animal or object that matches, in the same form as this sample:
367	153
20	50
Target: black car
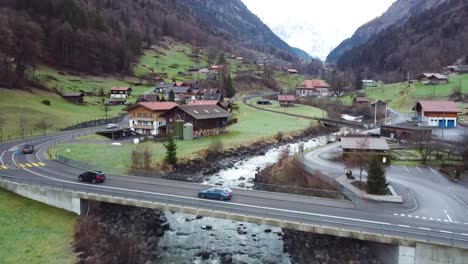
28	149
92	176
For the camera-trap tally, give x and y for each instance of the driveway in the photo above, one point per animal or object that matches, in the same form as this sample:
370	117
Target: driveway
454	134
428	195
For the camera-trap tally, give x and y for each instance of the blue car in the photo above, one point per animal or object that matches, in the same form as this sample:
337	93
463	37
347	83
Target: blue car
216	193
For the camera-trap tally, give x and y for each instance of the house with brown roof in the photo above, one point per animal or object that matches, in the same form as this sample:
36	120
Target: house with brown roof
313	88
146	117
120	92
364	144
208	102
437	113
432	78
148	98
206	119
286	100
360	100
76	98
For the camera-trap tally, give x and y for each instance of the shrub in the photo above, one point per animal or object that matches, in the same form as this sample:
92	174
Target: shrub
214	149
232	120
279	136
46	102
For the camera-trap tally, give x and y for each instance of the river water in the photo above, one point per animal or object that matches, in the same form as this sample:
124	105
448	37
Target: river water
247	243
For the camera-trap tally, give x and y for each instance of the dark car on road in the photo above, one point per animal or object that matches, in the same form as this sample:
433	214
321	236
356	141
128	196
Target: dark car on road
28	149
92	176
216	193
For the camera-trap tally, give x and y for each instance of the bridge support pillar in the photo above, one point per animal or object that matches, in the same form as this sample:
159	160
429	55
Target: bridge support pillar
393	254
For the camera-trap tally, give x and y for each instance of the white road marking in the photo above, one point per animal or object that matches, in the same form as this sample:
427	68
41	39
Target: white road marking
410	216
402	214
404	225
419	169
423	217
463	234
448	216
405	168
435	172
220	202
431	219
443	231
416	217
395	214
439	220
424	228
446	221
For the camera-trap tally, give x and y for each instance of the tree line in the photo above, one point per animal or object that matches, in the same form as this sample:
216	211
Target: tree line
427	42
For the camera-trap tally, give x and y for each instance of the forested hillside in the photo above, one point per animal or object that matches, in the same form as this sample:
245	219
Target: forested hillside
106	36
426	42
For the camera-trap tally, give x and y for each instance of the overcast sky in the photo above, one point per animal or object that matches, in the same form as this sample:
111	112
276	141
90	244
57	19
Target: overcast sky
316	26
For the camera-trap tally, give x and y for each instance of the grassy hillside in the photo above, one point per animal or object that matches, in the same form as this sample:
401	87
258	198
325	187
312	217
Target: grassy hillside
253	125
297	109
402	97
31	232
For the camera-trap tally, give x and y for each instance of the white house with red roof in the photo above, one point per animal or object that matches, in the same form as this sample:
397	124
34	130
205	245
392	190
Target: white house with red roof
120	92
313	88
146	117
437	113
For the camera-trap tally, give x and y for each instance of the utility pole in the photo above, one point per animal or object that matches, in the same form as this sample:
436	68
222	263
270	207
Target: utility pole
375	115
443	120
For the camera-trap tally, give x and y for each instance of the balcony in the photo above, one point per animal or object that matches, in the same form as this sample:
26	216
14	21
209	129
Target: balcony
144	127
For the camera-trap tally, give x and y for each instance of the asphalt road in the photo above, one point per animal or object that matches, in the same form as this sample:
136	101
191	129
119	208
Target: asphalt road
324	212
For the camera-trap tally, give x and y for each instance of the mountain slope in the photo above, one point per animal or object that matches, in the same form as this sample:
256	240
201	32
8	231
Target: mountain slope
399	13
426	42
233	20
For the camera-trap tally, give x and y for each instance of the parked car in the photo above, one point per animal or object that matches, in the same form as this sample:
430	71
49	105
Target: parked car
112	126
28	149
92	176
216	193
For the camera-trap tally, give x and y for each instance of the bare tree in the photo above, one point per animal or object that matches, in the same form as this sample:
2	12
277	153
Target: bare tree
43	125
360	159
425	148
2	124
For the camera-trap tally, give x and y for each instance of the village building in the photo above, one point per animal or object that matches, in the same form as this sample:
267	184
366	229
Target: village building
432	78
406	132
121	92
76	98
209	102
369	83
146	118
286	100
437	113
204	71
292	71
360	100
459	69
364	144
116	101
205	119
213	97
148	98
381	107
313	88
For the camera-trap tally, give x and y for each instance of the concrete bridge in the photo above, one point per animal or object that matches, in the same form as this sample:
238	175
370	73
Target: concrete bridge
402	244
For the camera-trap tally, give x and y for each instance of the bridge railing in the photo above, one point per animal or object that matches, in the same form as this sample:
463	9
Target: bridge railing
290	216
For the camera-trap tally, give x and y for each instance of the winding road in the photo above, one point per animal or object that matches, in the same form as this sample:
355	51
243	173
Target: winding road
452	229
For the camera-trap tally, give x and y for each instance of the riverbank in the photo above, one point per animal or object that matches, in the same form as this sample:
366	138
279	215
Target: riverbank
111	233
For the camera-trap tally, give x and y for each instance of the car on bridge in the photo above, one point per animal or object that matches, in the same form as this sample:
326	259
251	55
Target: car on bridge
112	126
216	193
92	176
28	149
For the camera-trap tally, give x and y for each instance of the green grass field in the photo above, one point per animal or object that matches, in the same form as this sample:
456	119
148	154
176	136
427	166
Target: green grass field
18	104
402	97
32	232
253	125
287	81
297	109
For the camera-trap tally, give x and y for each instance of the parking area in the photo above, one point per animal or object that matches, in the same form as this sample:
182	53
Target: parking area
455	133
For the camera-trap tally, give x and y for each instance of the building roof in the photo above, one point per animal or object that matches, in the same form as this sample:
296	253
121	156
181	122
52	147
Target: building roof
368	81
283	97
120	88
213	96
73	94
378	101
177	90
438	106
205	111
435	75
292	70
154	106
406	127
313	84
149	97
203	102
364	143
361	99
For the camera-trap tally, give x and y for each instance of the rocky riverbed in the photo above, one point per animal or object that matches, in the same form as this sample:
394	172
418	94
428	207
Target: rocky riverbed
310	248
111	233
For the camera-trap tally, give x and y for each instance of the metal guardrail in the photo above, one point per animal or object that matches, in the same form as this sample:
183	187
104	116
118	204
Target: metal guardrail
324	221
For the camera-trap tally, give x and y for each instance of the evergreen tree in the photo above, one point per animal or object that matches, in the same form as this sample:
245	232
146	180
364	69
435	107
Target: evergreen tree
228	87
358	81
221	59
376	181
101	93
171	151
171	97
